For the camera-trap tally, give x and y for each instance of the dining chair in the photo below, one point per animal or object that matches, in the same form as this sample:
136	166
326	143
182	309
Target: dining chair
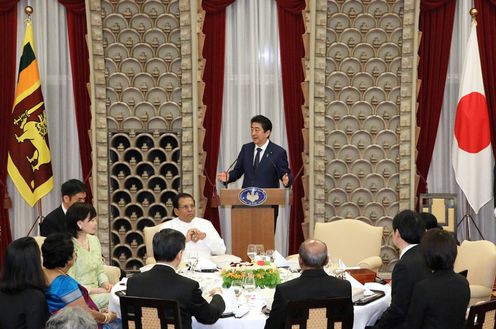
149	232
319	313
482	316
356	243
149	313
479	258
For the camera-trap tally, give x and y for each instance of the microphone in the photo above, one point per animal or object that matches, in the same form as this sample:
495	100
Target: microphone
268	156
228	169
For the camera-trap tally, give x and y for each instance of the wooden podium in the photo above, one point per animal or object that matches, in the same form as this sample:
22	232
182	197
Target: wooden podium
252	224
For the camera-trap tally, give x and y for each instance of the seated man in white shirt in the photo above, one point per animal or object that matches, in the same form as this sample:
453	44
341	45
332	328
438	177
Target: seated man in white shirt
201	236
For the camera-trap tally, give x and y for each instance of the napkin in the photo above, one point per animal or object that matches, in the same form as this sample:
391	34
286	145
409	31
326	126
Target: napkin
205	264
279	260
224	260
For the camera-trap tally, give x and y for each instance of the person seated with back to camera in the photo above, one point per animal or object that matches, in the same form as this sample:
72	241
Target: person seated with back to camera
162	281
63	291
439	301
88	267
201	235
22	282
314	283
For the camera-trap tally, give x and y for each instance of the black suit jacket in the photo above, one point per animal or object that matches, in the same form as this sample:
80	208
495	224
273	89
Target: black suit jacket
312	284
26	309
273	165
54	222
163	282
439	302
409	270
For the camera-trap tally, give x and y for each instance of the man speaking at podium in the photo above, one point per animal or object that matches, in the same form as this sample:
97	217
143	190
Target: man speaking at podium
262	162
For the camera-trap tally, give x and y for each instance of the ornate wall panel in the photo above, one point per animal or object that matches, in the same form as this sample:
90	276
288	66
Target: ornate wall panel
147	70
362	113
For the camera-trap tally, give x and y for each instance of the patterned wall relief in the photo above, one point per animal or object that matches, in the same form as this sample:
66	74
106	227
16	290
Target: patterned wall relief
362	113
142	42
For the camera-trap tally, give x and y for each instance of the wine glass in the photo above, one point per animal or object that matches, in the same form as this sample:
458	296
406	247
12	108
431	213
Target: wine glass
334	266
249	282
260	250
269	255
251	251
237	286
192	260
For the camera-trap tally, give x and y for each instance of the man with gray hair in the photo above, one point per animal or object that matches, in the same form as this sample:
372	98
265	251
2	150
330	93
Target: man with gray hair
314	283
70	318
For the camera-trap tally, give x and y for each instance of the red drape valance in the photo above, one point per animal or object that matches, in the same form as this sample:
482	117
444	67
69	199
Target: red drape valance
214	28
291	29
77	30
486	34
8	37
436	24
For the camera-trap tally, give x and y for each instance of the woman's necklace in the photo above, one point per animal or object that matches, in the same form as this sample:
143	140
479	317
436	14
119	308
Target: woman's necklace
60	271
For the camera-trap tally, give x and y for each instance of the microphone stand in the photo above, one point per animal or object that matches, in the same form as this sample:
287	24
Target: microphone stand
227	171
39	219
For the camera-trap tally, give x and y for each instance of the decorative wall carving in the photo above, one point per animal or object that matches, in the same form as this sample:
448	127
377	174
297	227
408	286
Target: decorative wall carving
362	113
147	54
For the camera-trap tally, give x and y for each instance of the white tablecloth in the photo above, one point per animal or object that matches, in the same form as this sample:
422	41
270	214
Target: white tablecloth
255	319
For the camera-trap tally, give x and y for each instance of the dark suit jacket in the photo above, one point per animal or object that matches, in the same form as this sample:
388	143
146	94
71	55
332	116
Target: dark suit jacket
273	165
312	284
163	282
26	309
439	302
54	222
409	270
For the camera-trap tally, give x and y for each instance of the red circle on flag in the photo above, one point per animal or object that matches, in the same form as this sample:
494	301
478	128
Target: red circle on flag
472	123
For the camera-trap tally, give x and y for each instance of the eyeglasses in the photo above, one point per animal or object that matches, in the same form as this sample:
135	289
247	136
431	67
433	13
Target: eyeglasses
187	207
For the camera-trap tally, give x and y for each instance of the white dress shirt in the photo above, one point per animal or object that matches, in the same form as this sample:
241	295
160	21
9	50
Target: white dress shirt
213	244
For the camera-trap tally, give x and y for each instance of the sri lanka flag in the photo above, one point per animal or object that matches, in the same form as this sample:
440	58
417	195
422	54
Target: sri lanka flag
29	162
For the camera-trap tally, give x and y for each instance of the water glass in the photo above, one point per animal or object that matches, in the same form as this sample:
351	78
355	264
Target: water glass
237	286
192	260
249	282
251	251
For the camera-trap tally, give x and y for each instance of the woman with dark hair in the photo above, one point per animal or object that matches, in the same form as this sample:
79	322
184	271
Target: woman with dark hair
88	267
22	302
63	290
441	300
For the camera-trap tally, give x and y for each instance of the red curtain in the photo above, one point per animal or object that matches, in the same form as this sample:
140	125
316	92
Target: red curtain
214	28
486	34
77	30
436	24
291	28
8	37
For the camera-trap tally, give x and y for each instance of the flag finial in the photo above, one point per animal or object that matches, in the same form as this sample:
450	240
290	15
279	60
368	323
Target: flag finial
474	12
28	10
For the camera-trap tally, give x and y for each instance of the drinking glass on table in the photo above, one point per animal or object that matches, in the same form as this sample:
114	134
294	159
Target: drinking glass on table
249	282
251	251
260	252
192	260
269	255
237	286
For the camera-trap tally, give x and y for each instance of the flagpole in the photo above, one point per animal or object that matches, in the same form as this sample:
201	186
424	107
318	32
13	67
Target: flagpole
39	218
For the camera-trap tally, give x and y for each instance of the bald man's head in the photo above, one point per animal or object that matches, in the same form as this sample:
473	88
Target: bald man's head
313	254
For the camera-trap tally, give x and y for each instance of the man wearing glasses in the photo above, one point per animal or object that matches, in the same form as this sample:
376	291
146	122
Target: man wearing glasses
201	236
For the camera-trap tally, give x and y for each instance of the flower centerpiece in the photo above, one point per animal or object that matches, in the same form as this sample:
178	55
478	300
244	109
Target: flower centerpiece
265	275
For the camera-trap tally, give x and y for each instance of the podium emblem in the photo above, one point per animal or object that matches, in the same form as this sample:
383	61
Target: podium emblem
252	196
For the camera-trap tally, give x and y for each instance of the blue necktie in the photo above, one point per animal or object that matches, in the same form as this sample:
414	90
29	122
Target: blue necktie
257	158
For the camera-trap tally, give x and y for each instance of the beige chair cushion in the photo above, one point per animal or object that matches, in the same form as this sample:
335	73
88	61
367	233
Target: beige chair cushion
355	242
149	232
479	258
